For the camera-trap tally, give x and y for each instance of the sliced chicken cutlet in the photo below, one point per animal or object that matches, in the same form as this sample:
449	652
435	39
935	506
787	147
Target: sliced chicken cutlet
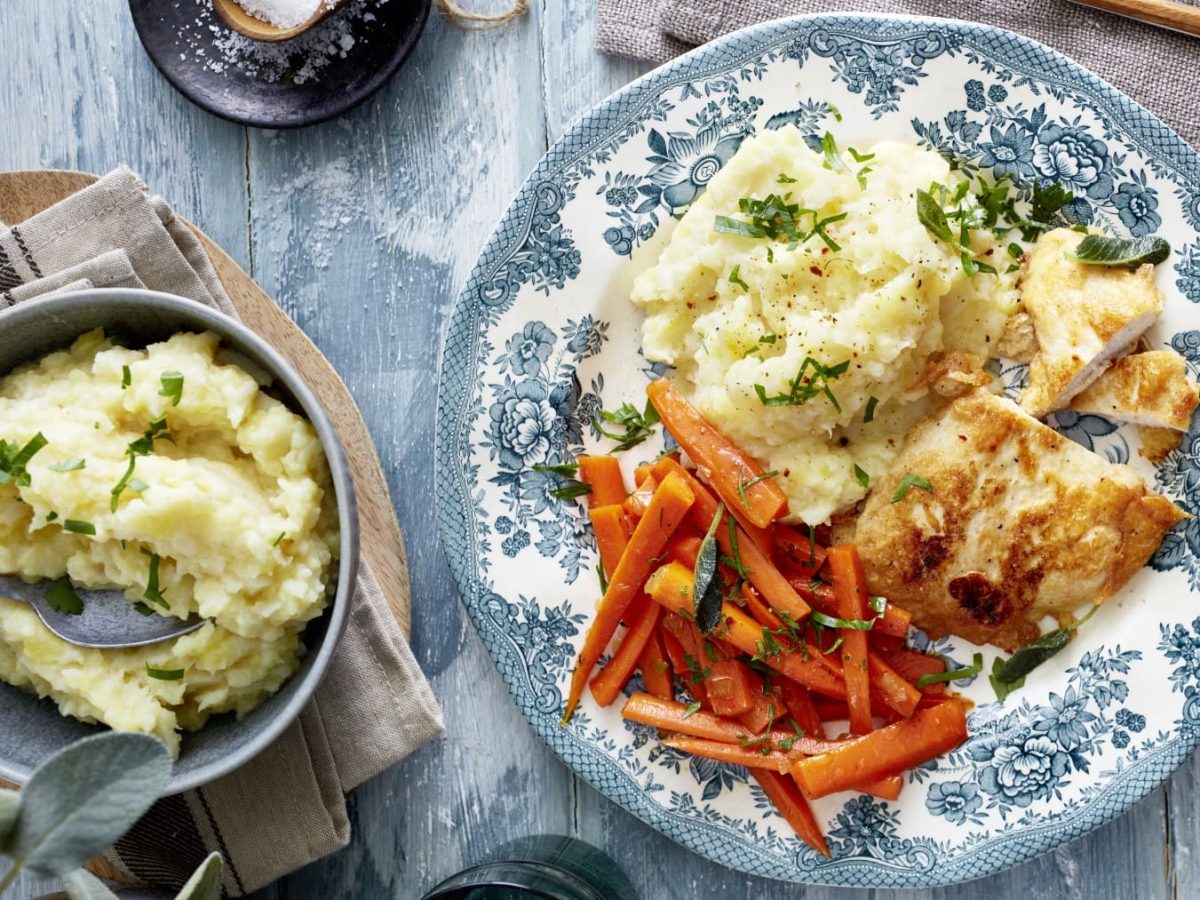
1084	316
1021	523
1151	388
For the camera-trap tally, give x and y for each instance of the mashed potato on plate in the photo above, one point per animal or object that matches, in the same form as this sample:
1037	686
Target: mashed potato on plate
737	314
231	516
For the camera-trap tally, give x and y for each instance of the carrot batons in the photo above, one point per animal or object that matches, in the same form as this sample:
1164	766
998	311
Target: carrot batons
603	474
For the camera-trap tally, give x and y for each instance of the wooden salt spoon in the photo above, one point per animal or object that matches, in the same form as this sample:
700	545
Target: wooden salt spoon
256	29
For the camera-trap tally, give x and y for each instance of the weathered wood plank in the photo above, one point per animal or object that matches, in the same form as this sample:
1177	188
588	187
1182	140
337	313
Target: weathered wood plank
364	229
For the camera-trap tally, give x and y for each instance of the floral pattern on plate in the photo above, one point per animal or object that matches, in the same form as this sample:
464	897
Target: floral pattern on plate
543	337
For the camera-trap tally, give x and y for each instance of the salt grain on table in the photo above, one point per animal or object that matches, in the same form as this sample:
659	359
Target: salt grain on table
299	60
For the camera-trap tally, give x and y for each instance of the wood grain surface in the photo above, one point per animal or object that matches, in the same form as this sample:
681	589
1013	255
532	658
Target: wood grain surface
363	229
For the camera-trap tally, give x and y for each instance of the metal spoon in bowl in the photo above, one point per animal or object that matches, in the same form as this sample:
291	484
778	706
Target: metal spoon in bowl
256	29
108	620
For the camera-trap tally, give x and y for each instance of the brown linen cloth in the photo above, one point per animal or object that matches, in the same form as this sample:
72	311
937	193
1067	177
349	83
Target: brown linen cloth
1155	67
286	807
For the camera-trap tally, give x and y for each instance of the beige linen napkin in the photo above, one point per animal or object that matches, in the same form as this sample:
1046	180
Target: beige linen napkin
287	807
1155	67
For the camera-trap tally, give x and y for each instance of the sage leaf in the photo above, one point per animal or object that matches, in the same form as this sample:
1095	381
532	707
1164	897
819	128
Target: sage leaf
1099	250
84	798
706	588
1032	655
205	883
10	802
83	885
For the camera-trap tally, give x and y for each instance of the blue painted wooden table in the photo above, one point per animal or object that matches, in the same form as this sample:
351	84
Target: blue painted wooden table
363	229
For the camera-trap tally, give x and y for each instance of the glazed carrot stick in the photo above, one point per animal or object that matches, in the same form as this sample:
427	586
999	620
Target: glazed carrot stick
603	473
891	749
667	508
849	586
893	623
800	706
684	549
612	534
732	753
640	473
883	788
635	504
799	554
783	792
761	613
656	668
731	687
642	619
671	586
911	665
679	656
890	687
668	715
761	572
726	466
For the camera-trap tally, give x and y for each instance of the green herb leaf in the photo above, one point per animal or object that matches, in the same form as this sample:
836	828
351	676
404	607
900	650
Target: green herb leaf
952	674
1047	203
143	446
13	460
126	378
10	804
566	470
812	379
736	278
910	481
62	598
869	413
153	591
775	218
172	387
820	618
638	425
143	609
571	490
1036	652
933	217
768	339
833	159
861	477
70	465
603	579
743	486
279	540
51	516
205	883
75	526
727	225
706	587
1098	250
164	674
692	709
83	799
1003	688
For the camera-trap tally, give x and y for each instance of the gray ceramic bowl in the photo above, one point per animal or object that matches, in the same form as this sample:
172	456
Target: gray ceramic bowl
32	729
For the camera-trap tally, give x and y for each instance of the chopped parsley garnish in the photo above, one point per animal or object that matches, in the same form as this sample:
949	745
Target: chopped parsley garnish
638	425
70	465
172	387
126	377
566	470
164	674
1046	205
692	709
735	277
952	674
734	561
153	591
869	414
833	159
62	598
51	516
806	385
774	217
279	540
14	459
571	490
910	481
819	618
143	609
143	446
603	578
861	476
785	179
743	486
768	339
75	526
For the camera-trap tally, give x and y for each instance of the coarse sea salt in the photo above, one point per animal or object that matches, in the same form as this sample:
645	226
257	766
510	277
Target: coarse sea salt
209	42
284	13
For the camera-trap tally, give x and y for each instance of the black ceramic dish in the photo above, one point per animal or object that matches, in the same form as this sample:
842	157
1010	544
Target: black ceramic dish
185	40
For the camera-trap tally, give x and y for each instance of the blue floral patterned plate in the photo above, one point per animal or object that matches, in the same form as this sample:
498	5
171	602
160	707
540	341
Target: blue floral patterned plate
543	335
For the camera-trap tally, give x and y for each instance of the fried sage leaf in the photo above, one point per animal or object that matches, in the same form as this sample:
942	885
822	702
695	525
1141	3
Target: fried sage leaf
1099	250
706	589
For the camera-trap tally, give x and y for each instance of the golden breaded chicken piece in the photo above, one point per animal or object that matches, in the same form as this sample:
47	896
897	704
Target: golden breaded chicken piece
1151	388
1021	523
1084	317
